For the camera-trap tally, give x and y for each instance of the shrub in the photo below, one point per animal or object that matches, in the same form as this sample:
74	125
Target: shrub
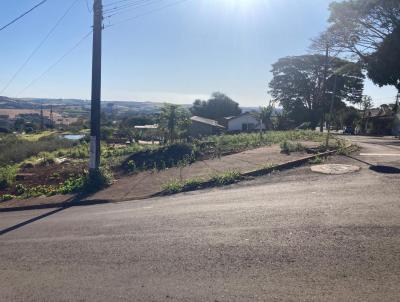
289	147
7	176
7	197
176	186
131	166
173	186
20	189
166	156
226	178
98	180
316	160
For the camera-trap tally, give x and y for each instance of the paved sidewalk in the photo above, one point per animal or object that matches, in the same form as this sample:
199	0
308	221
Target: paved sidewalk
148	183
145	184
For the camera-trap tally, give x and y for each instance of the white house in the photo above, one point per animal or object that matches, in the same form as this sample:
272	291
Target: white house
244	122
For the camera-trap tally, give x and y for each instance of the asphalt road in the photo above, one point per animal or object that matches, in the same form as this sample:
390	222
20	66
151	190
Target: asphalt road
292	236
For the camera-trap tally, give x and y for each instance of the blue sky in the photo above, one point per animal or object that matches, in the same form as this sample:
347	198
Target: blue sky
177	54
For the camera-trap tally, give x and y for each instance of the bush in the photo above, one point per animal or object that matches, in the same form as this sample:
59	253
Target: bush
289	147
7	197
316	160
131	166
176	186
20	189
7	176
98	180
87	183
163	157
226	178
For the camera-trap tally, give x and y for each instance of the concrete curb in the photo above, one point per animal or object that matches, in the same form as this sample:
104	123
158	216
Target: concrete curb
254	173
204	185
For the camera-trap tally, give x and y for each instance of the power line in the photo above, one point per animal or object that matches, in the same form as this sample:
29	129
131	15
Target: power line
120	2
88	34
38	47
123	9
21	16
56	62
148	12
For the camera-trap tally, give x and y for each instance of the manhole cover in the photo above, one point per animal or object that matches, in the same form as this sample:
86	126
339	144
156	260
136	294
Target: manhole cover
335	169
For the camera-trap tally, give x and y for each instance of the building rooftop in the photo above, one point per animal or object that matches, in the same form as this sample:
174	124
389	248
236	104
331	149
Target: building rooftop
207	121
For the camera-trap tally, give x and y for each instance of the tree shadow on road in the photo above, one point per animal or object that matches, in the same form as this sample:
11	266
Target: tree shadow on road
378	168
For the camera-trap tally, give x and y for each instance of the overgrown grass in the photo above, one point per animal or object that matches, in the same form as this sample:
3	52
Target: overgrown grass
7	176
226	178
221	179
230	143
160	158
14	150
36	136
81	183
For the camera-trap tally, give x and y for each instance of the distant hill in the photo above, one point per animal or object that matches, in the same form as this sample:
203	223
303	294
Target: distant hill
138	107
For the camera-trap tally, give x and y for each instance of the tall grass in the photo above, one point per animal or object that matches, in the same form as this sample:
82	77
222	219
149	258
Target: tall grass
243	141
14	150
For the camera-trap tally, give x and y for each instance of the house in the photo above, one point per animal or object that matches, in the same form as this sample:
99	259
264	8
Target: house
383	120
245	122
201	126
149	132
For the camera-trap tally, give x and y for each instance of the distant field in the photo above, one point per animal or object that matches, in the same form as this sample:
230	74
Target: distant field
58	118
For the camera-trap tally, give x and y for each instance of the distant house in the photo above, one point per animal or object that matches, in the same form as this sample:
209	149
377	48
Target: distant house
201	126
245	122
383	120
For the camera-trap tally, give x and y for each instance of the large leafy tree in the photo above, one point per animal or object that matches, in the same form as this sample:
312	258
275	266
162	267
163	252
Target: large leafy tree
303	85
218	106
360	26
383	66
369	29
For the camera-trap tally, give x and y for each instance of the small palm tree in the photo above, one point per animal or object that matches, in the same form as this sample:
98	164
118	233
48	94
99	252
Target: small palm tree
265	116
172	119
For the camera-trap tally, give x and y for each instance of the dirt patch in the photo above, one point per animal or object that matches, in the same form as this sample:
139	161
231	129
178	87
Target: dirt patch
53	174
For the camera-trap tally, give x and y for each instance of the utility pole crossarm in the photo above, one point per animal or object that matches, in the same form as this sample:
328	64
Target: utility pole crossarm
94	163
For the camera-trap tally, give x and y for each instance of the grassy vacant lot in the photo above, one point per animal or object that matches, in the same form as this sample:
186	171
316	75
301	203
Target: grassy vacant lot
244	141
45	164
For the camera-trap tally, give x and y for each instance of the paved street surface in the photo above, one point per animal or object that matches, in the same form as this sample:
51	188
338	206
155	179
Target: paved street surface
292	236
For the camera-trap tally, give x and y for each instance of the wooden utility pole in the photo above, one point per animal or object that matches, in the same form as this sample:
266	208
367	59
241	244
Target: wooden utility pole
331	111
94	163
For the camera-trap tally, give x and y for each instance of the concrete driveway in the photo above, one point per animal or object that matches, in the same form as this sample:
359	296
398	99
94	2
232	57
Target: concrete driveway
294	236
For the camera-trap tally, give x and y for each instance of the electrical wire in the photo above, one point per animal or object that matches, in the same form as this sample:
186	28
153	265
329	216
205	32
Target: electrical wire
56	62
38	46
147	13
121	2
131	7
24	14
88	34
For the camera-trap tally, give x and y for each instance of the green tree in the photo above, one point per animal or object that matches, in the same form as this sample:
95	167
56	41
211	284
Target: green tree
218	106
297	84
383	66
174	120
366	104
370	29
266	116
360	26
